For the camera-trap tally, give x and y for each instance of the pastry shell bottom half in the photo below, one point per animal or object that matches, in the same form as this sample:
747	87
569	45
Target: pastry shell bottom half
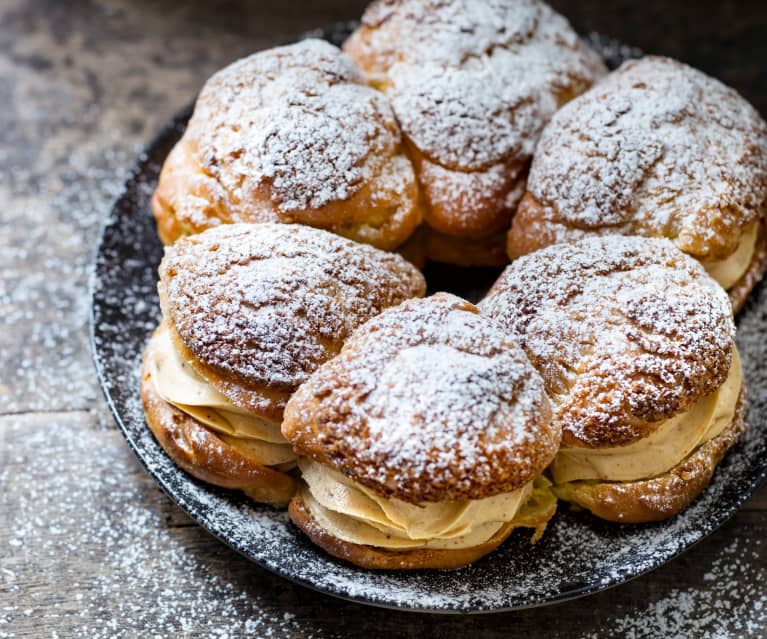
200	452
536	517
660	497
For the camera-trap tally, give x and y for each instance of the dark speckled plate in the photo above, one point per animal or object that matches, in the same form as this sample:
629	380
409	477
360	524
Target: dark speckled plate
578	554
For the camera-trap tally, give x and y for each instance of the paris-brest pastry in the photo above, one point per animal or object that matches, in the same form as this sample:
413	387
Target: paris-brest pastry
422	443
291	134
635	342
657	149
472	85
297	361
249	312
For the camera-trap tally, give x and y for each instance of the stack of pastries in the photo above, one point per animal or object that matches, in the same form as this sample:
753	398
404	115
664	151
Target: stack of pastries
298	360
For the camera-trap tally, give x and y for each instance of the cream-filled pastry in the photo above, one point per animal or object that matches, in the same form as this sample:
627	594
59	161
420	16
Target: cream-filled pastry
358	515
730	270
423	441
176	382
670	444
636	344
250	310
656	149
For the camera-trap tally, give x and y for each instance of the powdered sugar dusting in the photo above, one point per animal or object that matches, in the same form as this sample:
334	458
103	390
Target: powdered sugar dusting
464	118
728	605
473	83
427	401
298	121
455	31
268	303
107	523
658	149
626	330
472	188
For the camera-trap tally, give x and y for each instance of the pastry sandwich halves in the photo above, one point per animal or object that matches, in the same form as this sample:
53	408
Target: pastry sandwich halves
635	342
423	442
249	312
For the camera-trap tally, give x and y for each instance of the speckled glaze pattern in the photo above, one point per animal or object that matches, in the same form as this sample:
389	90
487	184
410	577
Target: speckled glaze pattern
578	555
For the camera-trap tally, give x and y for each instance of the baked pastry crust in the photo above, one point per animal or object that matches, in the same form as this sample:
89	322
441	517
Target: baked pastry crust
420	558
427	402
294	135
472	85
661	497
657	149
204	455
256	308
626	332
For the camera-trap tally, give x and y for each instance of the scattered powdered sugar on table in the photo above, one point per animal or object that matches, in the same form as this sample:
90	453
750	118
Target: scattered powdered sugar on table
131	553
43	274
730	606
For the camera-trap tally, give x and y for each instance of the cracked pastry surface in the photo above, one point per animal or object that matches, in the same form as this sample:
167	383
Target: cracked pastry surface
293	134
635	342
425	433
257	307
657	149
472	85
626	331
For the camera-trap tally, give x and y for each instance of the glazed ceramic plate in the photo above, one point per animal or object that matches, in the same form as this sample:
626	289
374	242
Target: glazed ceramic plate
578	554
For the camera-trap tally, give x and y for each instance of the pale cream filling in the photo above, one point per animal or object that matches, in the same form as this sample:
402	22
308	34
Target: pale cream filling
729	270
355	514
665	448
178	384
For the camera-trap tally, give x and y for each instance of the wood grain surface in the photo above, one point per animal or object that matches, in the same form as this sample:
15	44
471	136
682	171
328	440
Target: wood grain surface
89	545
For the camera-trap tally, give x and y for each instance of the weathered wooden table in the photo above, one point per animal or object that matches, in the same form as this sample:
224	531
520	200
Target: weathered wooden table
89	545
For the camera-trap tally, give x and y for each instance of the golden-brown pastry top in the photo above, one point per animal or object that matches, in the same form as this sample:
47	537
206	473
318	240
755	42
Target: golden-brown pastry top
257	307
427	402
472	85
656	149
626	332
291	134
